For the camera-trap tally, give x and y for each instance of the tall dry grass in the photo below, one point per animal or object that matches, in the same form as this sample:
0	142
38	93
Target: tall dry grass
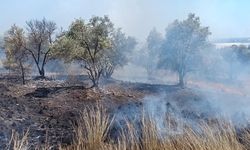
93	128
18	142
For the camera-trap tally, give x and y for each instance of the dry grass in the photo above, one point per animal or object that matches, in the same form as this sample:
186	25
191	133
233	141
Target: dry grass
217	136
94	126
18	142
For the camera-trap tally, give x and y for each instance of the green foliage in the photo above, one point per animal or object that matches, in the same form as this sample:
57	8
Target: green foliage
90	39
16	54
86	43
184	40
14	40
13	45
151	51
118	54
121	47
36	41
96	45
65	48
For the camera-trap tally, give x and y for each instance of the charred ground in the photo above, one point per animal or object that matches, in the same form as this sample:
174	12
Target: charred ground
50	108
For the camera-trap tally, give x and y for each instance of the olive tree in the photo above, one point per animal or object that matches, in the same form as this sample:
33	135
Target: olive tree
87	44
16	54
151	52
118	55
182	46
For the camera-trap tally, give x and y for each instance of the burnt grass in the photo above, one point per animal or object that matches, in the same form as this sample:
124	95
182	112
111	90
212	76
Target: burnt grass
49	109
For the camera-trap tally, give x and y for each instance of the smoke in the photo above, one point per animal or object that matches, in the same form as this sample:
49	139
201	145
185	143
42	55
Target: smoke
225	84
162	112
221	84
218	88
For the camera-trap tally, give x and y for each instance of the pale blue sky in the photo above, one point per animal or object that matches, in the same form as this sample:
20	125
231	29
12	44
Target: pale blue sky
226	18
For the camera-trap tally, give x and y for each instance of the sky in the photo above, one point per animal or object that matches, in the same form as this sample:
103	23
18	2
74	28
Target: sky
226	18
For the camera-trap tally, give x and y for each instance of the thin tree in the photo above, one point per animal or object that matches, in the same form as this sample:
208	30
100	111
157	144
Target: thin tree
151	52
16	55
40	37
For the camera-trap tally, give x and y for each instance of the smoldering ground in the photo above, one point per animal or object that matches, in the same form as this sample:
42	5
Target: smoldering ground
219	88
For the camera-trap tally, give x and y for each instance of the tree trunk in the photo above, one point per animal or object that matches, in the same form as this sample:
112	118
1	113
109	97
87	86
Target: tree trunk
22	72
42	73
150	73
106	75
181	79
107	72
95	83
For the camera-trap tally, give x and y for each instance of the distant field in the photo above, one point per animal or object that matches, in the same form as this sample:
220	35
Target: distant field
223	45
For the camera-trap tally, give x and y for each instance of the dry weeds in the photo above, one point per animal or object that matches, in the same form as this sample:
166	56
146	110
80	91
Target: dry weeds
94	125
